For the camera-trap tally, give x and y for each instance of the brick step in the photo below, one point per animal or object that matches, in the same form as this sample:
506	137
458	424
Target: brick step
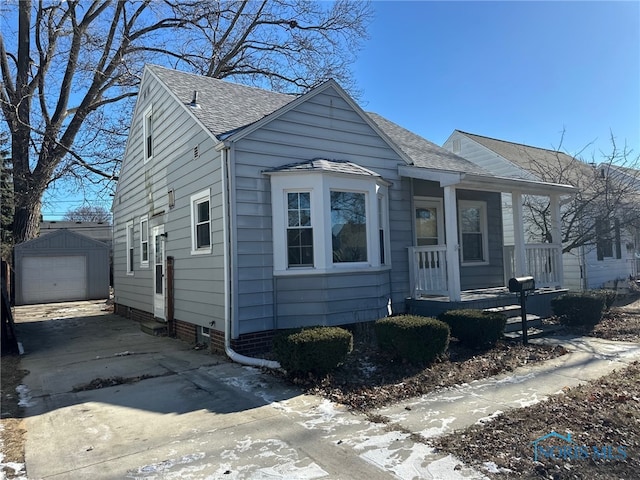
156	329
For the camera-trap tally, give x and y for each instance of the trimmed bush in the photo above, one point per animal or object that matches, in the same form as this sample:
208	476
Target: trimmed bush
475	328
579	309
315	350
415	339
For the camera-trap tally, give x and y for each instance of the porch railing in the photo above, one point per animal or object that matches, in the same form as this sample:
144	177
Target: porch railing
542	263
428	270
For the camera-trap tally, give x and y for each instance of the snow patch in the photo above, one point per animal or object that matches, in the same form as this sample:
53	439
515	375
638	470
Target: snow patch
24	396
489	418
284	459
492	467
326	417
435	431
162	468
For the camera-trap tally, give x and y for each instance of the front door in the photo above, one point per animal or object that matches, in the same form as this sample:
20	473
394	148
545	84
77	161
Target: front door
430	251
429	222
159	266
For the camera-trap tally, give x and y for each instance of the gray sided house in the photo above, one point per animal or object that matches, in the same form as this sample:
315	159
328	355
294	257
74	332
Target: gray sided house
241	211
588	267
61	266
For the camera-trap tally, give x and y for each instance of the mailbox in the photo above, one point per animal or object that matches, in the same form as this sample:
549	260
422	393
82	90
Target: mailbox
522	284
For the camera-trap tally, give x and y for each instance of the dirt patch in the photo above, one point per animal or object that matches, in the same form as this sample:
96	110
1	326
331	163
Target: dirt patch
603	418
604	414
11	425
370	379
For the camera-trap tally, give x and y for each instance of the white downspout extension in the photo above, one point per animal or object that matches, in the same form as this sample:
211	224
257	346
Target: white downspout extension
232	354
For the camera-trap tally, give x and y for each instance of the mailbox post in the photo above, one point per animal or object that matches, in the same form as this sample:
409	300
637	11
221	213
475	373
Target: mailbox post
522	285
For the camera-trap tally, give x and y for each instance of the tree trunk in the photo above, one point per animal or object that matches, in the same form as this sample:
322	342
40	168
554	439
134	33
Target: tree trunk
26	221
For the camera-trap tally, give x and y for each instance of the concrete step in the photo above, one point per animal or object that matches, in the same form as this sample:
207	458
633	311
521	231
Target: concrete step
533	332
156	329
507	310
515	323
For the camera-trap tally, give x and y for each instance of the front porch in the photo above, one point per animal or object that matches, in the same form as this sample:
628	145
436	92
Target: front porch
538	301
429	269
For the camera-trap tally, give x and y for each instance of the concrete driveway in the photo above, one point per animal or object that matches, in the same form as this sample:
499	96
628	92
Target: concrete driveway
174	412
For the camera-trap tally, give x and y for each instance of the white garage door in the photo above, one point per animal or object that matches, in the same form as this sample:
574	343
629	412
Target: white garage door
54	279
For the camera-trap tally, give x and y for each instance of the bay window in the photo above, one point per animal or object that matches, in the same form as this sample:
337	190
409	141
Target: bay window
324	221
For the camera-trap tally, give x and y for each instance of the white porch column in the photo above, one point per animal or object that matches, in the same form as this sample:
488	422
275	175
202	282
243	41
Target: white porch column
451	231
556	234
519	253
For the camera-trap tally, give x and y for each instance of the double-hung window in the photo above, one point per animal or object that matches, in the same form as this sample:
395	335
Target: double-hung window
472	217
608	238
201	222
144	241
299	230
129	239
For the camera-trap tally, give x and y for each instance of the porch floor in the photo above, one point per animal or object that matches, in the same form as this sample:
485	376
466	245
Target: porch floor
538	302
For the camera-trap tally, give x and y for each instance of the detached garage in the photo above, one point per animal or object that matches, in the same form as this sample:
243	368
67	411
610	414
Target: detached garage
60	267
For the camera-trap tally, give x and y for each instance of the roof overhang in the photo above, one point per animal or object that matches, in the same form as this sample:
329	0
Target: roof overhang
472	181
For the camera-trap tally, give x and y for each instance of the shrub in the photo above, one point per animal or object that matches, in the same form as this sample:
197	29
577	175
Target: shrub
315	350
412	338
610	297
475	328
582	309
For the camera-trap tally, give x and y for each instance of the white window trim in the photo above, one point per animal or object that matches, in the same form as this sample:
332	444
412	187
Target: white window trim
129	234
286	226
484	230
320	185
429	202
197	198
371	224
148	115
144	263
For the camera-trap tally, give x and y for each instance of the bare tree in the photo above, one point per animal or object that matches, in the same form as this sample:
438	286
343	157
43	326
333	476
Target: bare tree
71	69
605	200
88	213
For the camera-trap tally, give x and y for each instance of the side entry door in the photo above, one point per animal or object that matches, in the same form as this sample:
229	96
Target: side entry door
159	271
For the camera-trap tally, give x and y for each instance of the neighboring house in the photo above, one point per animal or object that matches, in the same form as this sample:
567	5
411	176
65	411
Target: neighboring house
630	177
241	211
590	266
61	266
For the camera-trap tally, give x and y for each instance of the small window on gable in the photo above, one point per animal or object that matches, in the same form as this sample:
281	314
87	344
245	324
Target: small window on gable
201	223
144	241
129	234
473	232
148	134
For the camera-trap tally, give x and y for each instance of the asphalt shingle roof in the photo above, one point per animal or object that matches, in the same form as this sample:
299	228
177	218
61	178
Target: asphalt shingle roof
334	166
422	152
224	106
525	156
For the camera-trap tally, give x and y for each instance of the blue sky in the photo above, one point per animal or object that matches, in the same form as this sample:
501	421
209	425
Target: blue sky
517	71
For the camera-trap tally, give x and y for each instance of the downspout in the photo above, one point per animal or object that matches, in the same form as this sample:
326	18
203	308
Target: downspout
228	258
